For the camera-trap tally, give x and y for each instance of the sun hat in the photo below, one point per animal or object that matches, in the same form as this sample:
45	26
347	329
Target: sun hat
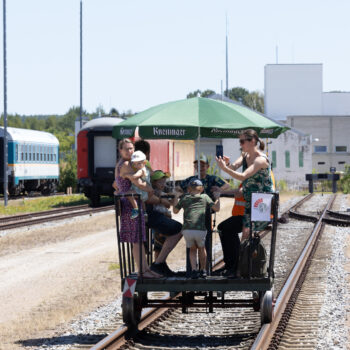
138	156
202	158
195	182
159	174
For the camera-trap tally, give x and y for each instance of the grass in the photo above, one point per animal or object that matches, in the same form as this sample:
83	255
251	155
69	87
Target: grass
29	205
113	266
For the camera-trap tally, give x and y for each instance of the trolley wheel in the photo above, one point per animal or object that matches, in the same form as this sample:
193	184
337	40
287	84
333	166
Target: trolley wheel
266	310
132	308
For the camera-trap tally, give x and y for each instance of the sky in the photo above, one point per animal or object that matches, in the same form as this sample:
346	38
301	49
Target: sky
137	53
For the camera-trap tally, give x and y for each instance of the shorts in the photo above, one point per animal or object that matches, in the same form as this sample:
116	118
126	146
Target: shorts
194	237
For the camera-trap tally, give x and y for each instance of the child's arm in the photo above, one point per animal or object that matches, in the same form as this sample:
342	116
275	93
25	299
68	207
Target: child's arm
176	208
216	205
135	176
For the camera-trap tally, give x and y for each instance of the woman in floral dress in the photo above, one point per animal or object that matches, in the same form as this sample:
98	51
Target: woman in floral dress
255	178
129	228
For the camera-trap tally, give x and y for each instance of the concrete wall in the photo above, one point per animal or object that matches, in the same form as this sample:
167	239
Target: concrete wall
336	103
293	89
329	131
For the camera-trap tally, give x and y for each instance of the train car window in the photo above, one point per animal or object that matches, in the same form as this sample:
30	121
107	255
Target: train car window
22	154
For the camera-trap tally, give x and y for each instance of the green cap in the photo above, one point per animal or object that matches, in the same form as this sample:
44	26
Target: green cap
159	174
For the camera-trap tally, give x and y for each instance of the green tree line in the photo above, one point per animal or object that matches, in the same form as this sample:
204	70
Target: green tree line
253	99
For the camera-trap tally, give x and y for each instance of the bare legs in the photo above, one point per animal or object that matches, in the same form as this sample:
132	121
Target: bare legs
145	268
202	257
168	246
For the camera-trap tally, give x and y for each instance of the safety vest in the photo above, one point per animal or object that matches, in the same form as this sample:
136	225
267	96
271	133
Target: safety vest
239	205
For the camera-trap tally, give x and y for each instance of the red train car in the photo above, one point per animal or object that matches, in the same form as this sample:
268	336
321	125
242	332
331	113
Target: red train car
97	154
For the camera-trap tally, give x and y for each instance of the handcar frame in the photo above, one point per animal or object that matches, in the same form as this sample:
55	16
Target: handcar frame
186	292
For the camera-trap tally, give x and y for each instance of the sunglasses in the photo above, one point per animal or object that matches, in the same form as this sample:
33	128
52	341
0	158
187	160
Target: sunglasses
241	141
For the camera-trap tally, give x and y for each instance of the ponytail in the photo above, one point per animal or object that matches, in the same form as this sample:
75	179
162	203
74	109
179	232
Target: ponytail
261	144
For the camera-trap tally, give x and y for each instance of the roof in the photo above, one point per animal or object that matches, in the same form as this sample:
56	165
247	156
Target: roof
27	135
104	123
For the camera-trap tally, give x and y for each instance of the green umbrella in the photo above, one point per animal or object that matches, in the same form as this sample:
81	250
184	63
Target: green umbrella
197	117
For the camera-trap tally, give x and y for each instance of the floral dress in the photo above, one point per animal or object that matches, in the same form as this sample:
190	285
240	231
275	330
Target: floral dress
260	182
129	228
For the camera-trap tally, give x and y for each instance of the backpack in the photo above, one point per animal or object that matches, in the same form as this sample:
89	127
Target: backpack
255	248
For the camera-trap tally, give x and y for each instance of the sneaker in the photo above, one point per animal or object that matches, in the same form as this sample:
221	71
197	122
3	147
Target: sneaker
134	213
218	272
228	273
194	274
203	274
168	271
158	268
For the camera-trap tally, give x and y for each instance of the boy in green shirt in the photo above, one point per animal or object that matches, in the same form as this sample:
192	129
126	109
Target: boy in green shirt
195	204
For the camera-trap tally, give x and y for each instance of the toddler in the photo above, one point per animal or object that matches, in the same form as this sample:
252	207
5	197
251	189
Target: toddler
138	164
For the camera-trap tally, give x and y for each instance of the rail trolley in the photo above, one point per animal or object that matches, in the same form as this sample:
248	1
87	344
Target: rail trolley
209	292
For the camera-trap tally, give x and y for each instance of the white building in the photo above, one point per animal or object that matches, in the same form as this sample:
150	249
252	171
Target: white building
289	154
294	93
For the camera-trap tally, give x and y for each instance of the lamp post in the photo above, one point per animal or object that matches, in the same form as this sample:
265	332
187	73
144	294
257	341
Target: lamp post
5	107
81	65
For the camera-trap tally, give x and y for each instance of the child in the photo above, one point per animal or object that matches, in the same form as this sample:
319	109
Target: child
158	179
194	204
138	163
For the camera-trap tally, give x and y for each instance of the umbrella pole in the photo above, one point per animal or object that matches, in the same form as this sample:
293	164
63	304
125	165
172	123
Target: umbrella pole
198	154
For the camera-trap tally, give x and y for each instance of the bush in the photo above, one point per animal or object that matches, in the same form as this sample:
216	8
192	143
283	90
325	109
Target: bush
68	172
345	180
281	186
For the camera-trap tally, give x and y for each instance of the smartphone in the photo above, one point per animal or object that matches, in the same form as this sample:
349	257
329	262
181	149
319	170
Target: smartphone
219	151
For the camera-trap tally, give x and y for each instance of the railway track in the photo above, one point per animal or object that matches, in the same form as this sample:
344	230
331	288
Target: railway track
16	221
235	328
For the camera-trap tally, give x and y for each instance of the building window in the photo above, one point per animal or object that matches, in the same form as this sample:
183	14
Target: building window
274	159
301	159
287	155
341	149
341	162
320	149
321	163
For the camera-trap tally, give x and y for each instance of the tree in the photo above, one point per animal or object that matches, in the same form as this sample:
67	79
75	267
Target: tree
237	94
114	112
196	93
199	93
254	100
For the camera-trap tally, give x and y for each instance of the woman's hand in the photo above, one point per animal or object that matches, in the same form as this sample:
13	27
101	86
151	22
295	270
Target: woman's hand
221	163
226	160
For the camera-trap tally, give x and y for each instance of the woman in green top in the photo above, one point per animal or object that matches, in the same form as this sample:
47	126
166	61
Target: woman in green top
255	178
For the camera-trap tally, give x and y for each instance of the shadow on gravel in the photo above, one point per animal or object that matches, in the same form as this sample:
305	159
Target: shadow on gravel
145	338
79	339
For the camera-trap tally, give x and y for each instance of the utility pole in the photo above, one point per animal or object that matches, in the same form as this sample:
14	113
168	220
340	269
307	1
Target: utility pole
226	59
5	109
81	64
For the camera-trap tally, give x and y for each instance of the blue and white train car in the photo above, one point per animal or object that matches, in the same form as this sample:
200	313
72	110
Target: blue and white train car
32	161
